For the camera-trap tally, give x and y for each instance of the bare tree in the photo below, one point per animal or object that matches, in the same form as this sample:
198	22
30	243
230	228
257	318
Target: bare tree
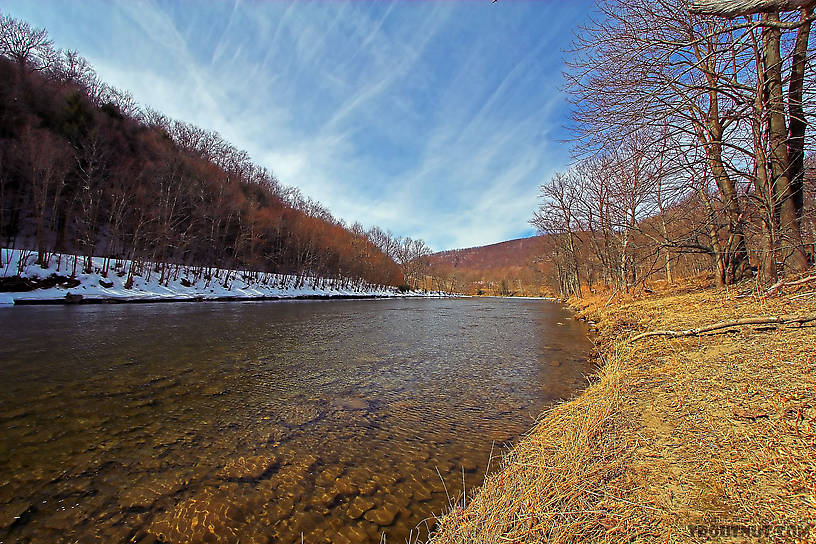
712	84
411	255
46	158
25	45
91	163
557	217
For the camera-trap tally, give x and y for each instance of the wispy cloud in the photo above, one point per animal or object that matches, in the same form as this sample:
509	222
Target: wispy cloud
431	119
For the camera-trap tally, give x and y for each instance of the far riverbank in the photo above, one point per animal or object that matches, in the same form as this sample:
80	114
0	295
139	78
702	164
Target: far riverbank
63	280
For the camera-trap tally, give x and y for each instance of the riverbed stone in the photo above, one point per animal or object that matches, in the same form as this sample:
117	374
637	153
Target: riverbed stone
247	468
384	515
325	498
384	479
422	493
335	523
362	478
421	454
345	486
469	464
304	521
11	512
280	508
402	492
215	390
112	532
66	517
427	474
359	506
352	403
351	534
329	475
272	434
368	487
209	516
290	475
74	486
147	490
301	414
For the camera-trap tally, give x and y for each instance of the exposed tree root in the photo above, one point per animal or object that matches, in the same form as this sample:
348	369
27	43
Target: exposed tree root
766	320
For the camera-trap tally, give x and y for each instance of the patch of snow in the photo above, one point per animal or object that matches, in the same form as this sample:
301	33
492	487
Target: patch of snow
218	284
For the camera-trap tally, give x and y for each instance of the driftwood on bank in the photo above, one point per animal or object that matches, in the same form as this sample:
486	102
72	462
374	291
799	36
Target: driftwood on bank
780	284
735	8
766	320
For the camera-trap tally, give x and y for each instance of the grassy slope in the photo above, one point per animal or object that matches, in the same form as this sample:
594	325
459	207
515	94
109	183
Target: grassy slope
711	430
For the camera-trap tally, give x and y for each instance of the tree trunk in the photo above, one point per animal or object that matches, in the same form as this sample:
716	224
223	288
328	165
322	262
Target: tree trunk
716	247
797	122
792	253
734	258
762	184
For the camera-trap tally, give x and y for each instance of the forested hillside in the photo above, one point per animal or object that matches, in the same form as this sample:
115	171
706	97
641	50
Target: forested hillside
85	170
514	267
503	254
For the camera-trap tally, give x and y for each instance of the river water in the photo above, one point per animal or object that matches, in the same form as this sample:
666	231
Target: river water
331	421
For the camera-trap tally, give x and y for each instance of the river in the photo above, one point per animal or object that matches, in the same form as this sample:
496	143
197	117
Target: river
262	422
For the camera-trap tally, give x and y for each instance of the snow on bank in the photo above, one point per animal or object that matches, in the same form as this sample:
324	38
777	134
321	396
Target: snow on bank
181	283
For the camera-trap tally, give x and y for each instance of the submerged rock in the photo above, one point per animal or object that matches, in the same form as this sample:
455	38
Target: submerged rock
422	493
384	515
299	415
215	390
11	512
329	476
352	403
65	518
351	534
148	490
280	508
345	486
210	516
247	468
359	506
362	479
469	465
303	521
271	434
325	498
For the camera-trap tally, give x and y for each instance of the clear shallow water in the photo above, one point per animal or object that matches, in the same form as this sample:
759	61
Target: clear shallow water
256	422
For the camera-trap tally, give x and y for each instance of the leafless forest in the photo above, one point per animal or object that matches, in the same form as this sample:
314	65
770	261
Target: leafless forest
85	169
691	147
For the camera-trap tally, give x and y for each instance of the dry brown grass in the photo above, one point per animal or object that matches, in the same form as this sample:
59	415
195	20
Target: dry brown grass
716	431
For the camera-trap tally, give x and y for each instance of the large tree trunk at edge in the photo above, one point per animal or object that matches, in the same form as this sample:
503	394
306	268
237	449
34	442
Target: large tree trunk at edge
791	250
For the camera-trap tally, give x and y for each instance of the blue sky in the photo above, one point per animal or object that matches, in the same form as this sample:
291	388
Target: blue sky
434	119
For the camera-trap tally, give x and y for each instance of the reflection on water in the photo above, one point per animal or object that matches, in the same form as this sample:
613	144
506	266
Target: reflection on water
259	422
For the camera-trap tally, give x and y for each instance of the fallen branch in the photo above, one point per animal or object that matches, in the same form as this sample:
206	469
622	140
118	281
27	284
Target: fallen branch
767	320
780	284
734	8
